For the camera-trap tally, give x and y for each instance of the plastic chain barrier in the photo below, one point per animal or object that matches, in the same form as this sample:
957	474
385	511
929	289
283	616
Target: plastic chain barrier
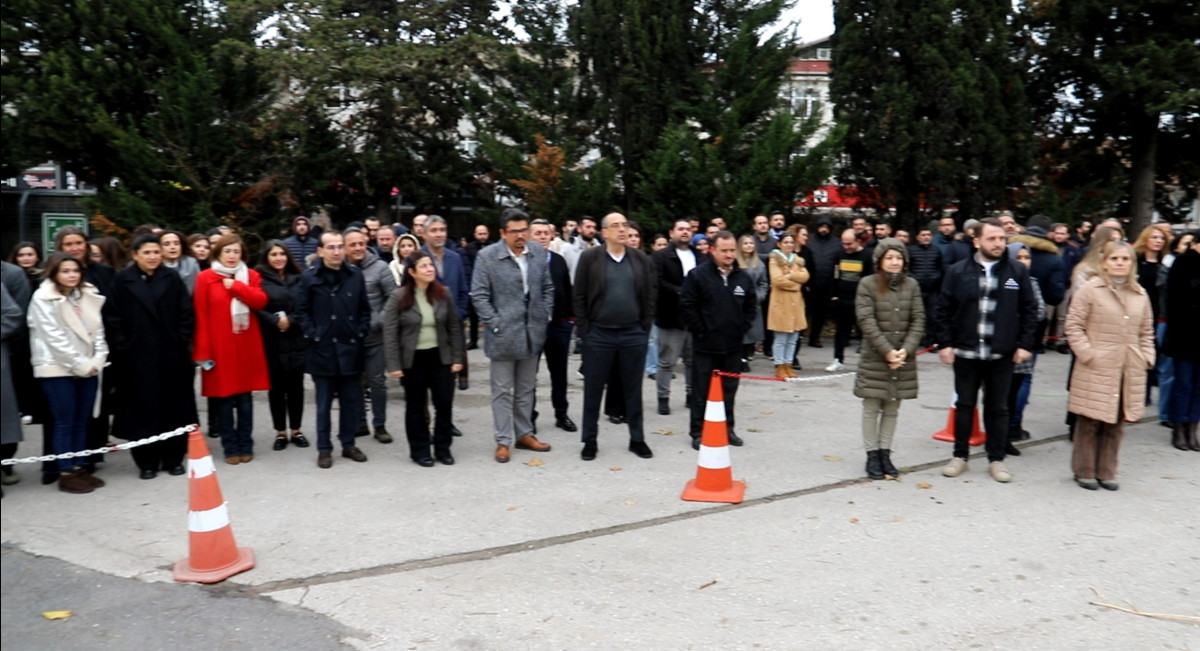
103	450
814	378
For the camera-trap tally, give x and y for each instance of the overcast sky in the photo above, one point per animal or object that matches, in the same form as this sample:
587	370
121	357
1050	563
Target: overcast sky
815	16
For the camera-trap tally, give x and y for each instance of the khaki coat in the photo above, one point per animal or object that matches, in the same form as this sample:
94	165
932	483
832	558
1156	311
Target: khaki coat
786	311
893	321
1111	332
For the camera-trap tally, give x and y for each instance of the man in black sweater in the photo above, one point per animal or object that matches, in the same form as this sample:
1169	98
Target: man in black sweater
852	265
717	305
614	309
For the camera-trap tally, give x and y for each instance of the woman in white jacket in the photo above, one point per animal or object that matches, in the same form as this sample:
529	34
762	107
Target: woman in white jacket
66	336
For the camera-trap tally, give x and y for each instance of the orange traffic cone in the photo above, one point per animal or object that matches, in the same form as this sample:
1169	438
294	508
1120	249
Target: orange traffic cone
714	476
214	556
977	434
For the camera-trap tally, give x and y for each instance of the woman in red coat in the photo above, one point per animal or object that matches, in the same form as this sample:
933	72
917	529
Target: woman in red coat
229	347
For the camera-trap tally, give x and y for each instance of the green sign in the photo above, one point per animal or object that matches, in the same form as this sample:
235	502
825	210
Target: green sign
52	222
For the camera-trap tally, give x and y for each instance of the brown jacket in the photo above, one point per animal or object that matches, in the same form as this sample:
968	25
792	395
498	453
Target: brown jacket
786	312
1111	332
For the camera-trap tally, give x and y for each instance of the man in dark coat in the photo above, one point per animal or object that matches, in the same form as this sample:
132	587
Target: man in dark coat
986	322
826	247
1182	344
671	265
451	272
926	267
558	332
301	243
614	306
1048	267
482	237
333	312
717	305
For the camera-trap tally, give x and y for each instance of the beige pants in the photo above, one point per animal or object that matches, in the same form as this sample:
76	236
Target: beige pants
879	423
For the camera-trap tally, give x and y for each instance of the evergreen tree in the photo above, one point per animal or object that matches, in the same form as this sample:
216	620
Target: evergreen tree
933	106
1115	84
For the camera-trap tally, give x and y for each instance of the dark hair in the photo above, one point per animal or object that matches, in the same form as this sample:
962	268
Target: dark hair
56	260
184	248
112	253
778	212
988	221
12	257
436	292
511	215
212	231
143	239
144	228
332	231
264	265
723	235
588	218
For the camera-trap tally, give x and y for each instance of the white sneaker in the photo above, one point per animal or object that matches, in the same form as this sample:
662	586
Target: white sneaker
27	420
835	367
955	468
998	472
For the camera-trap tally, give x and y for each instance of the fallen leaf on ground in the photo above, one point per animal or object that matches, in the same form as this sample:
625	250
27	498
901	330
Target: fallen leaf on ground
713	582
924	484
853	520
630	502
767	412
832	457
665	432
57	614
535	462
511	508
615	468
754	430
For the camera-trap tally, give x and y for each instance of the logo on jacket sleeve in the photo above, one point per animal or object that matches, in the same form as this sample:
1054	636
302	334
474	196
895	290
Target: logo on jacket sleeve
1011	283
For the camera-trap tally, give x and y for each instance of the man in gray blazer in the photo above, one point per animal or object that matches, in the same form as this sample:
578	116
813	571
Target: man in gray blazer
513	294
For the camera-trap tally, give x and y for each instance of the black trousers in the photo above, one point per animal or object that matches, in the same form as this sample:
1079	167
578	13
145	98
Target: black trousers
557	349
286	398
163	455
428	377
843	316
995	377
472	326
703	365
614	353
816	303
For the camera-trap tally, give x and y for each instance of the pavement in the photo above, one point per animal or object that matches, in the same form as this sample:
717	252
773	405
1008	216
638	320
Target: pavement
552	552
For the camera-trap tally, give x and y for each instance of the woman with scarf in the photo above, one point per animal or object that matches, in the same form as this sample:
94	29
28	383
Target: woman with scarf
406	245
228	344
785	316
66	334
149	321
891	315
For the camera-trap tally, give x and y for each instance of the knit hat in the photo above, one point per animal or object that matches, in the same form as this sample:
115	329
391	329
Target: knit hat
300	218
825	220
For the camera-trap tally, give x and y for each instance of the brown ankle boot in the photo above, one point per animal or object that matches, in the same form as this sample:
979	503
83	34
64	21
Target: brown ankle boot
781	371
1179	436
73	482
1193	441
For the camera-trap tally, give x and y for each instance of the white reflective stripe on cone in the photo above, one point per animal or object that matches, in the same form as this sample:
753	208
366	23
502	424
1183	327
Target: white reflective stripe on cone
198	468
714	458
210	520
714	412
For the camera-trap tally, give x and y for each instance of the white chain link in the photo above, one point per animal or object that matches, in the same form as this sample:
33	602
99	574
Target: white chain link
817	378
108	448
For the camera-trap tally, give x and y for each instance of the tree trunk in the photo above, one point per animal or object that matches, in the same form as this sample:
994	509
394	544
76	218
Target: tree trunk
1141	185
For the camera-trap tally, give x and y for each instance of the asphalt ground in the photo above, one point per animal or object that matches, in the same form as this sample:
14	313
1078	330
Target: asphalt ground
552	552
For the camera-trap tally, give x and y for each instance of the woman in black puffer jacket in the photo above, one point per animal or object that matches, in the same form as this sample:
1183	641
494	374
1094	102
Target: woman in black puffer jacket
891	316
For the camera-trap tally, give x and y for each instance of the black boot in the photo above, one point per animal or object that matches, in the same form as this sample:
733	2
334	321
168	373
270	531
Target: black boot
874	468
885	461
1179	436
1193	441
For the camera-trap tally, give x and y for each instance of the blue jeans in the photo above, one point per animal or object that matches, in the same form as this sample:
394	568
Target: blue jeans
1185	392
1166	378
784	347
236	440
652	352
70	400
348	389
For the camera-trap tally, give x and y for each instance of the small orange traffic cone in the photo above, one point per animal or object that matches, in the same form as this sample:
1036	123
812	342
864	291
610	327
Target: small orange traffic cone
213	555
977	434
714	474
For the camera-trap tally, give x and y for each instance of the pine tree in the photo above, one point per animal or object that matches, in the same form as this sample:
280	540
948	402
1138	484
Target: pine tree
933	106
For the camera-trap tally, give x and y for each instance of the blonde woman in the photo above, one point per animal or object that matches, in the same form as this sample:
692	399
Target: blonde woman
748	260
1111	329
785	316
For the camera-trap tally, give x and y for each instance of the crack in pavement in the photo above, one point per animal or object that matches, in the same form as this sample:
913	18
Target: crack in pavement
563	539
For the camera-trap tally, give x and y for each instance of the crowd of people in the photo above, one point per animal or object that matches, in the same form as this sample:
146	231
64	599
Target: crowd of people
104	338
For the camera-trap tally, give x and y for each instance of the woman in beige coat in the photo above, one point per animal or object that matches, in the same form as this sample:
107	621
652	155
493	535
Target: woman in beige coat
1111	330
785	316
